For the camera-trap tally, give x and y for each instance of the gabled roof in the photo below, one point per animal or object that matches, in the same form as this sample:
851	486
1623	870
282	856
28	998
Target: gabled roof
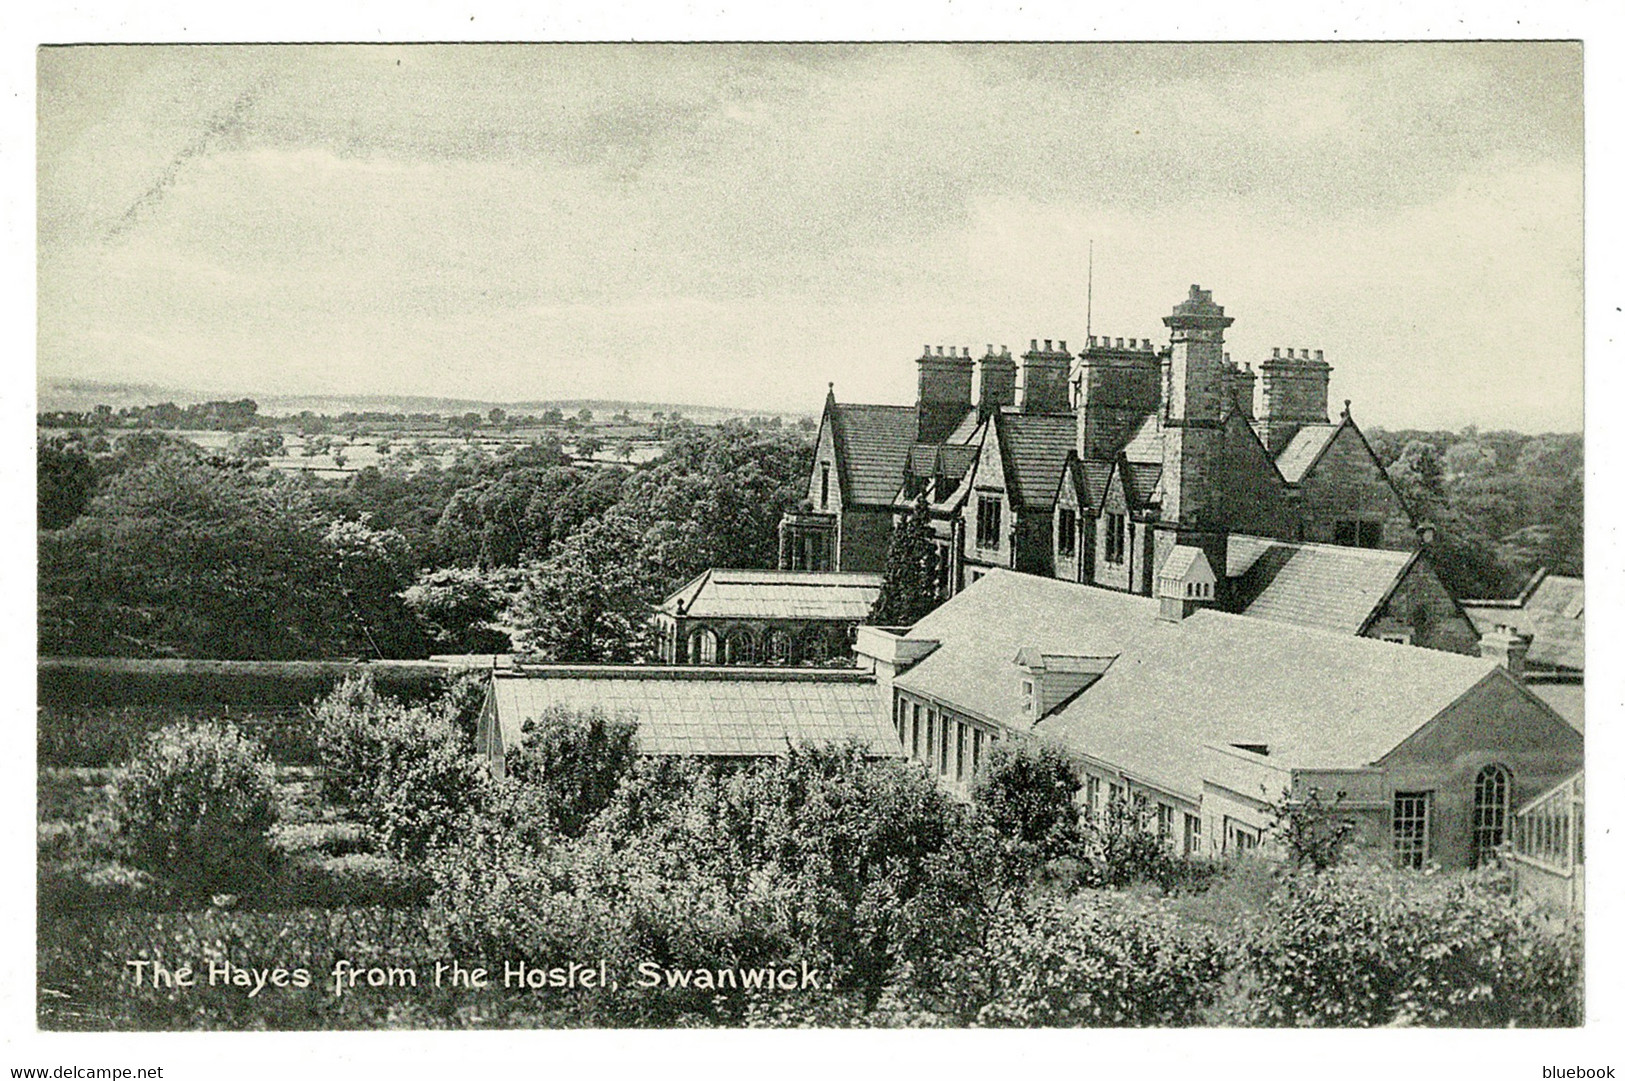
872	445
761	594
1034	447
1304	449
1328	586
1140	480
1004	612
1182	560
1087	480
704	711
1314	698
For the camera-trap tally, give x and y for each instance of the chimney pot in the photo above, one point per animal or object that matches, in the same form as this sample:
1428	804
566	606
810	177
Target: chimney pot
1119	343
1035	346
927	349
989	348
1276	352
1091	341
1048	346
1134	343
939	350
1063	345
1320	354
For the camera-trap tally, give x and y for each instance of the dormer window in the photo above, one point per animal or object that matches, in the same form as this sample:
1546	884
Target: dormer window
823	488
1027	696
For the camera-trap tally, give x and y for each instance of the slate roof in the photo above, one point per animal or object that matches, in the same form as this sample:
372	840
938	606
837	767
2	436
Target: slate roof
873	442
1568	699
1314	698
1304	449
759	594
704	711
1034	447
1329	586
1550	610
982	628
1140	482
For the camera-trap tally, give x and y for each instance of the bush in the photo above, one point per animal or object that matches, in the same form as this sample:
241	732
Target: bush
1361	946
1027	792
197	804
404	770
576	762
1092	963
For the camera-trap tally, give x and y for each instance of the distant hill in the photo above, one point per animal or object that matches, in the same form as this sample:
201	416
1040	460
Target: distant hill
83	395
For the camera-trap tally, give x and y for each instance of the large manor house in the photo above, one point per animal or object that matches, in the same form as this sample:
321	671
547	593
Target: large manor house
1166	471
1190	575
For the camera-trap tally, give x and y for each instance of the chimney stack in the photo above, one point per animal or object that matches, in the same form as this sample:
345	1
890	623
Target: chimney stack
1293	393
1044	377
1506	648
998	388
945	392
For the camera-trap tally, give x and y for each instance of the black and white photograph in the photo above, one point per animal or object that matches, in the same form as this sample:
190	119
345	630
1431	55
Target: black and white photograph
811	534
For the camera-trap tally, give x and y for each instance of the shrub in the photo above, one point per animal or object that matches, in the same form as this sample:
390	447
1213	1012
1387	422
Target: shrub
1122	847
1027	792
197	804
576	761
404	770
1360	946
1090	963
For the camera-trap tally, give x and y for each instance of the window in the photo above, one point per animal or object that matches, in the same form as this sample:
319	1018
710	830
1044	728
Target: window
902	722
976	741
1091	796
989	510
942	745
1353	533
1402	637
930	736
961	737
1026	696
1165	821
1492	796
914	733
1116	537
1411	829
1193	834
1066	532
823	490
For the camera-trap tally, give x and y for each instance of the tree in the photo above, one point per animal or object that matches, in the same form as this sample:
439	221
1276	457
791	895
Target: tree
256	445
588	446
66	480
908	586
1028	793
1311	830
459	607
589	601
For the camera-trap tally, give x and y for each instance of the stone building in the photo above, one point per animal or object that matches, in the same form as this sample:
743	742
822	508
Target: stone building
1200	720
1094	467
772	618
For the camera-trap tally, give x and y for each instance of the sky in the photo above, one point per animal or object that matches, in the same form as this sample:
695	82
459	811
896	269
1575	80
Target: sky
742	225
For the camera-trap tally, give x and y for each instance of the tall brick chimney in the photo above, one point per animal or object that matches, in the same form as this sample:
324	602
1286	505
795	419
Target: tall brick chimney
945	384
1294	393
1045	374
998	382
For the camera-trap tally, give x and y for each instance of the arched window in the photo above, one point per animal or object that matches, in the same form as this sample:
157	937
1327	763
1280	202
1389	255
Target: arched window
811	647
702	646
776	646
1492	799
739	647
